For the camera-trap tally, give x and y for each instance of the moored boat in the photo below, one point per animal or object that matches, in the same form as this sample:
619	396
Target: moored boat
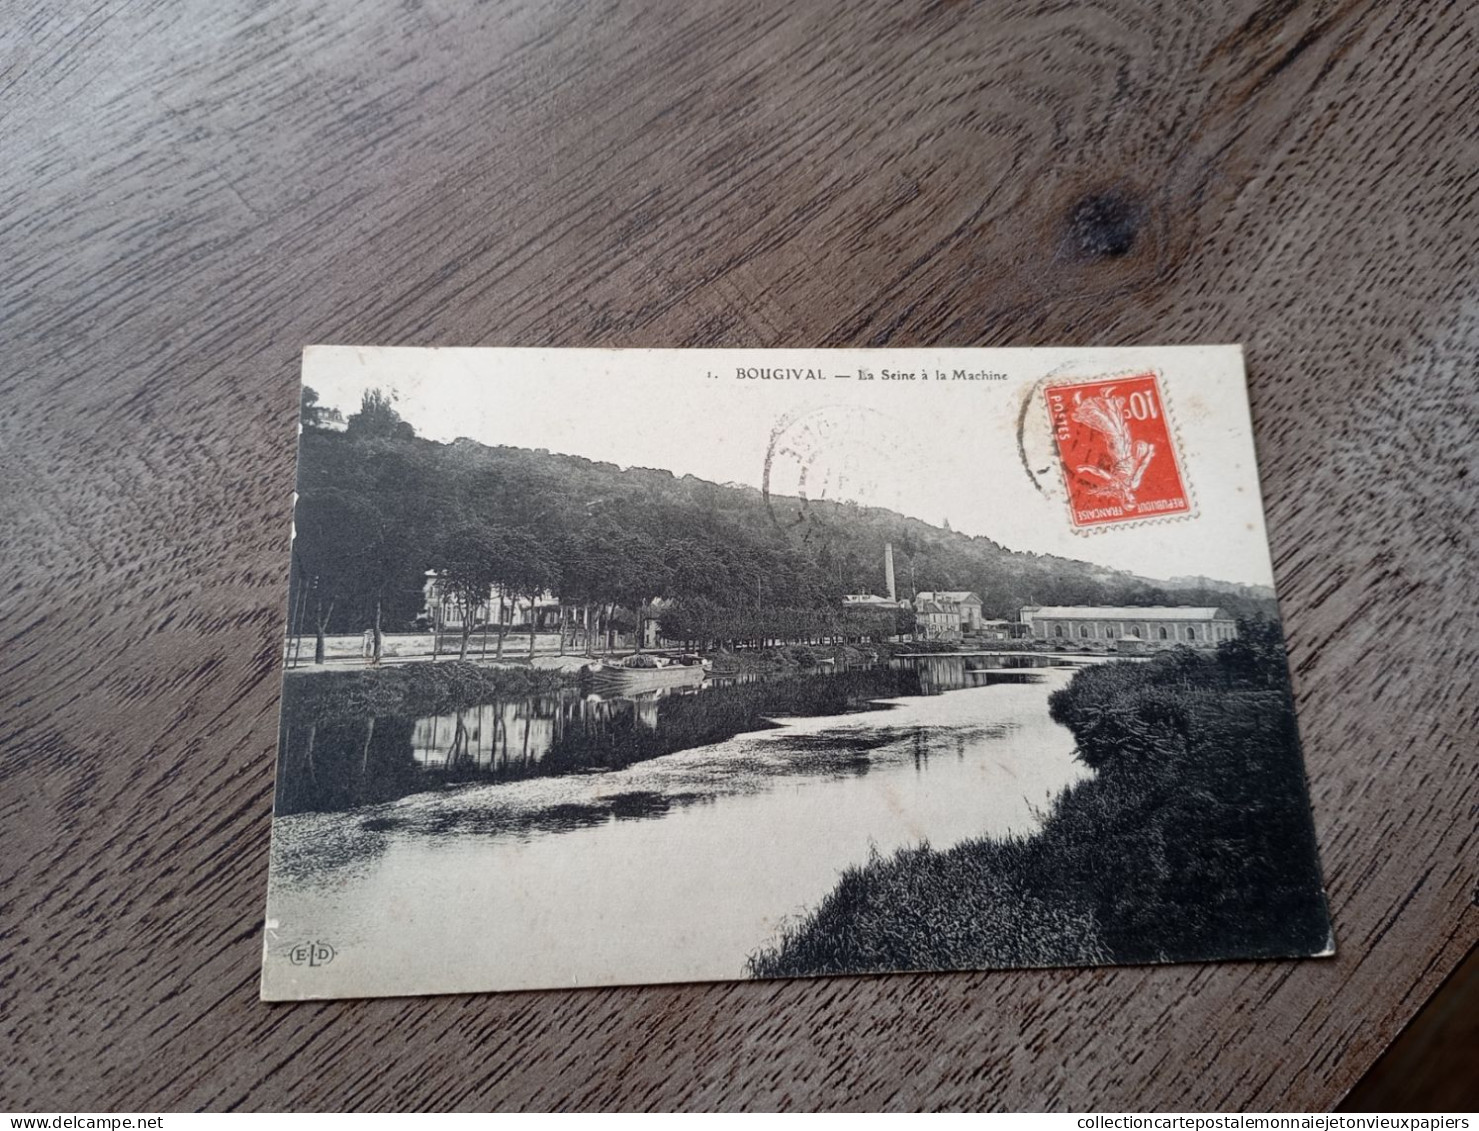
646	673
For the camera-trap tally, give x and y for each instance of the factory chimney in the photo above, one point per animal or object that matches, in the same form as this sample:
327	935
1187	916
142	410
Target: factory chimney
888	570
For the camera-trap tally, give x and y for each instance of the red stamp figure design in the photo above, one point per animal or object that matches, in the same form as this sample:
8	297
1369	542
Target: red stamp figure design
1115	443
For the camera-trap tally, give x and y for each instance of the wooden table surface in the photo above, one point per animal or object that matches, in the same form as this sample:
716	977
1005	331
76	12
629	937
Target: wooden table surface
191	192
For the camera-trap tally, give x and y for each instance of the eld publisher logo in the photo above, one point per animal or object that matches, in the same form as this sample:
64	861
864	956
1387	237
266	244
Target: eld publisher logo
311	954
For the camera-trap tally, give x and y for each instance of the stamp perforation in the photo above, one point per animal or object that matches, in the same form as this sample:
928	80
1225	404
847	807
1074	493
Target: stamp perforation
1172	429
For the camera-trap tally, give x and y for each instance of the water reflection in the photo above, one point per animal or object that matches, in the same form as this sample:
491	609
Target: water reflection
518	733
942	673
336	761
526	874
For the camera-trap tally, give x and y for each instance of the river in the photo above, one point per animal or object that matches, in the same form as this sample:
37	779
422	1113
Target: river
479	850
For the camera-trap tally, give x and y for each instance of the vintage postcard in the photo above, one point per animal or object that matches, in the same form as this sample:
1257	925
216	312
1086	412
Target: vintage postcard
608	667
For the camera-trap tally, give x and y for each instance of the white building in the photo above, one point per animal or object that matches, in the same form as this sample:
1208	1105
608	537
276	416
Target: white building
441	610
934	621
1153	626
870	601
963	603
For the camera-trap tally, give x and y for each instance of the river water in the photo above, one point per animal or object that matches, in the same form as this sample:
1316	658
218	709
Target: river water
483	850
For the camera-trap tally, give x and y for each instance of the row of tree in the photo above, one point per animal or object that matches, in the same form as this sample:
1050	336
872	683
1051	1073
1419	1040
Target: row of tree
379	507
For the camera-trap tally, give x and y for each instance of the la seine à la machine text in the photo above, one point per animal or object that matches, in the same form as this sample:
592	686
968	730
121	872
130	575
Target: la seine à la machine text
767	374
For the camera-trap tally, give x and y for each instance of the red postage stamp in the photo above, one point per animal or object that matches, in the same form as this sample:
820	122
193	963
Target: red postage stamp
1117	449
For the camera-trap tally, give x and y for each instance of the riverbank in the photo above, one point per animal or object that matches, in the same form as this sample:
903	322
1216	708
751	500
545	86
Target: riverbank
356	738
791	658
1192	841
414	689
425	688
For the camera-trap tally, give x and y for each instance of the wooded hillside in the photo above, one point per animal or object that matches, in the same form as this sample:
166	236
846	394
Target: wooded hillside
378	506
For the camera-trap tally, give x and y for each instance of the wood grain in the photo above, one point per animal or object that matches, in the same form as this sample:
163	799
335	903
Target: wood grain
194	191
1434	1064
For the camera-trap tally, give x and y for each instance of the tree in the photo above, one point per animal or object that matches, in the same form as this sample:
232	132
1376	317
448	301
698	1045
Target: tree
1256	656
405	507
377	417
310	412
474	560
581	580
523	567
326	526
639	574
466	573
367	509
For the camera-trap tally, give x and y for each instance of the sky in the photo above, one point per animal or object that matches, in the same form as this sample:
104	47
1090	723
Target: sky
941	451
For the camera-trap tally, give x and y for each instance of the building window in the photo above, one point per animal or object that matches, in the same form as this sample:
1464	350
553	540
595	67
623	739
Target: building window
1191	633
1057	630
1163	634
1111	632
1135	632
1083	631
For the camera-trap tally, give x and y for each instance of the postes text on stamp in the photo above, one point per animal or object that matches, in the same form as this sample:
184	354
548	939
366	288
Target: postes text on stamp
1117	450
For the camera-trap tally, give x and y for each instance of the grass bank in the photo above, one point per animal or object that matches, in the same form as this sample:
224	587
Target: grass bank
1192	841
412	689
